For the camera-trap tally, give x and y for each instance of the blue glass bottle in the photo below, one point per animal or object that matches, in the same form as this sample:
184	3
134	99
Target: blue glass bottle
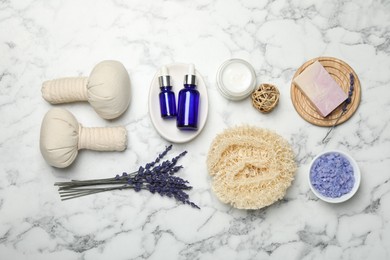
166	96
188	104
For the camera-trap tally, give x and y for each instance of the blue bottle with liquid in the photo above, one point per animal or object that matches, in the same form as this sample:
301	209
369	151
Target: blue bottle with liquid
166	96
188	103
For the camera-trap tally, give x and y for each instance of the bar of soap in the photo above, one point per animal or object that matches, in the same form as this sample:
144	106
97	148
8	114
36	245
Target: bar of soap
320	88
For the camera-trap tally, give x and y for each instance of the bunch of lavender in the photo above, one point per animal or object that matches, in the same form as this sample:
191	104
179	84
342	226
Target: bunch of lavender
345	106
156	177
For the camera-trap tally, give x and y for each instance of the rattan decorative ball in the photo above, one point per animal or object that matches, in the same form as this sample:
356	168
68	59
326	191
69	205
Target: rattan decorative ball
265	97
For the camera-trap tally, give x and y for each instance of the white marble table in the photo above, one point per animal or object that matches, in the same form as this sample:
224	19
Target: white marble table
42	40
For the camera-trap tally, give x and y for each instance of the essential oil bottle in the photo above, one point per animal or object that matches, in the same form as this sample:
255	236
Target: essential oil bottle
166	96
188	104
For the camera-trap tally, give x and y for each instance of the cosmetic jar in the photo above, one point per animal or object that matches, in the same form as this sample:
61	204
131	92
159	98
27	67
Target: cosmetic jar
236	79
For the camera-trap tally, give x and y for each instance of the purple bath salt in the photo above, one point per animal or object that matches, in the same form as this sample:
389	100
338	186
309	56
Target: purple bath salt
332	175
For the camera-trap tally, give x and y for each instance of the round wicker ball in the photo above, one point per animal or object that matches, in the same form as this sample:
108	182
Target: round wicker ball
265	97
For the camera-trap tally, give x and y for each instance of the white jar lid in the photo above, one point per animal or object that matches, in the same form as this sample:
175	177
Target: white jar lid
236	79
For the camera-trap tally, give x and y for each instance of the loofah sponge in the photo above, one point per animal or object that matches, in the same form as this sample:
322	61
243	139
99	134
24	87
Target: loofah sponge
250	167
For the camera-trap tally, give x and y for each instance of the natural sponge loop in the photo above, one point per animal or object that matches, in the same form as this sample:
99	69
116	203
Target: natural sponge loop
250	167
265	97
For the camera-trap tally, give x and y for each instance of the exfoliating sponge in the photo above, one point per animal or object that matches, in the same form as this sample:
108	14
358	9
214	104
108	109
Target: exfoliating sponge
250	167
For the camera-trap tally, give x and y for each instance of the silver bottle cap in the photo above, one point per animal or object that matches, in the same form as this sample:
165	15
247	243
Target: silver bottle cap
164	81
190	79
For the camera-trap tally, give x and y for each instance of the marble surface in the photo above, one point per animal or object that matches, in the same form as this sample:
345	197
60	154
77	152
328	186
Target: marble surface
42	40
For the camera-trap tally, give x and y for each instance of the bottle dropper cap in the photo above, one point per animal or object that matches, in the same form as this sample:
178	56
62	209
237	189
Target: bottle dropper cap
164	80
190	78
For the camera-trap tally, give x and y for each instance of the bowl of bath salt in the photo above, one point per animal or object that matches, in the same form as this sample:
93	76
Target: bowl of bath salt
334	176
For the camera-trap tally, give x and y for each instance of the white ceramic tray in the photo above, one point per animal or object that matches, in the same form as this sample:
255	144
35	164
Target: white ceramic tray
167	127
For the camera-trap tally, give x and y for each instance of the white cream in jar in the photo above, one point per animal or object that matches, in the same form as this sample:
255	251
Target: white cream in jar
236	79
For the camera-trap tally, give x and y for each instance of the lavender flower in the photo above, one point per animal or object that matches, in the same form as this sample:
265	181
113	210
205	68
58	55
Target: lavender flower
350	92
156	177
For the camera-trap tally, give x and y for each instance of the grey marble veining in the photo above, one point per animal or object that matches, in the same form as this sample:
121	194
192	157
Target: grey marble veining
42	40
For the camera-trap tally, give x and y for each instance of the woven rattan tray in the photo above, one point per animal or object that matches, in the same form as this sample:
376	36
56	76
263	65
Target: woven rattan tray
339	70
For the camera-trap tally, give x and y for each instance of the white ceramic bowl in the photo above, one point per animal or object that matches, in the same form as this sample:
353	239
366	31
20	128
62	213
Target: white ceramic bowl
356	173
